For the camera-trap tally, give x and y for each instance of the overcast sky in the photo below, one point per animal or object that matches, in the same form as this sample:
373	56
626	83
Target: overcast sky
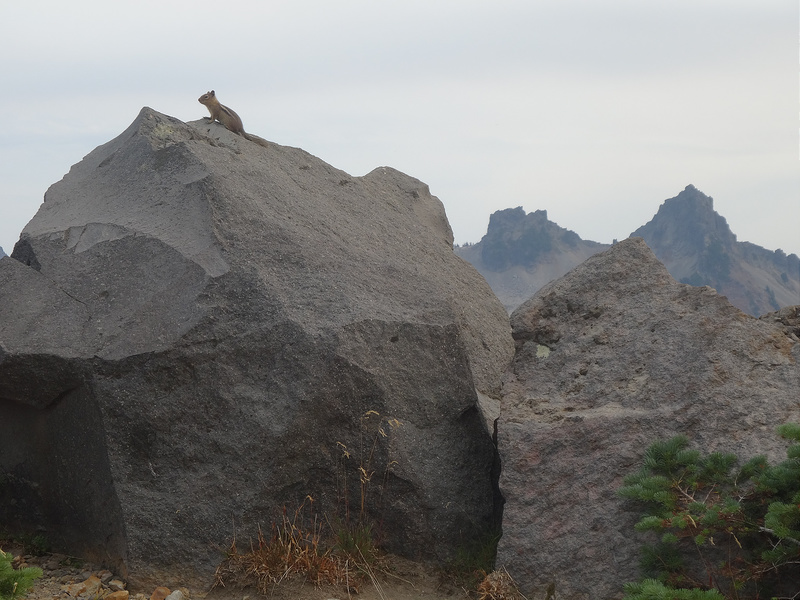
594	111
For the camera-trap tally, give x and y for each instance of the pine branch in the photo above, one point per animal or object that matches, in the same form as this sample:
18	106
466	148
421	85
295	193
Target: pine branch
787	538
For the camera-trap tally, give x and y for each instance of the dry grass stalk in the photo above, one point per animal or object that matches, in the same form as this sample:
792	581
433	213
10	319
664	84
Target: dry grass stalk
292	550
376	584
499	585
296	549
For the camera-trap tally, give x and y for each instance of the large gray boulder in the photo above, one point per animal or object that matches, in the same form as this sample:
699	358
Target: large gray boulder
610	358
193	328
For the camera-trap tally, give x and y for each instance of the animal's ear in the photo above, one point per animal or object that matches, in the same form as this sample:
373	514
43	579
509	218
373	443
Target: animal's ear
211	93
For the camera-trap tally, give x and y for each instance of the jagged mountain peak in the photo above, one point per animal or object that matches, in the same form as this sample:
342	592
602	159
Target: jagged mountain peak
691	194
522	252
698	247
686	224
515	217
515	238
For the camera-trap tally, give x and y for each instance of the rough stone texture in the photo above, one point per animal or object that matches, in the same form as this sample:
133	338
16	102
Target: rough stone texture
788	318
611	357
192	327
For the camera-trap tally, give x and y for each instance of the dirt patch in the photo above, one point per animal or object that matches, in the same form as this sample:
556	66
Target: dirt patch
396	579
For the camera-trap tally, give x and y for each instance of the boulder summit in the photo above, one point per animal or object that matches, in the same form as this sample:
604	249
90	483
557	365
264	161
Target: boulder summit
198	331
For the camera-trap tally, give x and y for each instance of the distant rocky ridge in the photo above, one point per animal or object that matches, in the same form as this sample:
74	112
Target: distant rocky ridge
521	253
2	252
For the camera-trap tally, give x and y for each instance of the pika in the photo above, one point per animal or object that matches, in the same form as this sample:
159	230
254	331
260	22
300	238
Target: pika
227	116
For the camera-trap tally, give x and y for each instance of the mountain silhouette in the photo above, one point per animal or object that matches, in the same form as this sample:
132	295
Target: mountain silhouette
521	252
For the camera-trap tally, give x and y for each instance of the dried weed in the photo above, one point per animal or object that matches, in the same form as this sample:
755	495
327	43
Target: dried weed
499	585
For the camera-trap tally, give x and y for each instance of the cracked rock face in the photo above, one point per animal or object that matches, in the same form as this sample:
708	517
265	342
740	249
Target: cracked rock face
194	327
610	358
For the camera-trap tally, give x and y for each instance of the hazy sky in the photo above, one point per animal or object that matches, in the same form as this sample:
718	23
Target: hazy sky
594	111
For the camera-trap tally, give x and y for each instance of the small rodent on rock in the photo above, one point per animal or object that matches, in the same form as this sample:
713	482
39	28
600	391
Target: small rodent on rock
227	116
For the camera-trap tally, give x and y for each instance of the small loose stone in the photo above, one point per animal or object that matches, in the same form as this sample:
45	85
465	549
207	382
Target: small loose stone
116	585
160	593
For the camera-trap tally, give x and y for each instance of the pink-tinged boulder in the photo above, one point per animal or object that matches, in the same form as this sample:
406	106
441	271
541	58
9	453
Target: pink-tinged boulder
610	358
